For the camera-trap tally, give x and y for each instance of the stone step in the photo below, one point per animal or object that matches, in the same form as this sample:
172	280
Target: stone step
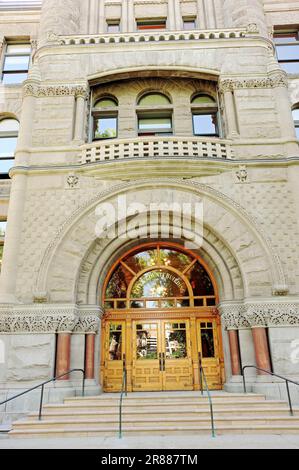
163	422
149	407
81	414
155	430
157	397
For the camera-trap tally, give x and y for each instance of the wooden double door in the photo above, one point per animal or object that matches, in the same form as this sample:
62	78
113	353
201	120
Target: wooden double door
161	354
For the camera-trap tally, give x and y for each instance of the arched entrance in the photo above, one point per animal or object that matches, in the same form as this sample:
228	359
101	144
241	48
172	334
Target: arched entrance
160	302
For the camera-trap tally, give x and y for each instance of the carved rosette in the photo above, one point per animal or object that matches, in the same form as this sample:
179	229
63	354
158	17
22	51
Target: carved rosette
262	315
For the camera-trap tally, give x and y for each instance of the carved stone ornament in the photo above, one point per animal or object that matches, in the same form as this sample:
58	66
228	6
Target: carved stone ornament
49	319
278	80
252	28
242	174
31	89
54	38
72	181
238	316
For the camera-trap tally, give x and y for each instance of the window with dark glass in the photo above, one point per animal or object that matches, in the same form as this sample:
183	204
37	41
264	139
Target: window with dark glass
151	24
287	49
189	23
113	26
205	116
16	63
295	113
154	114
9	129
105	119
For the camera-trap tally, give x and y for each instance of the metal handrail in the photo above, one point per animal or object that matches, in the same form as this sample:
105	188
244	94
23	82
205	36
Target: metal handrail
124	391
287	381
202	378
42	385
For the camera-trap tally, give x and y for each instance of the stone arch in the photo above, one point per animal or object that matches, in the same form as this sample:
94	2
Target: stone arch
249	249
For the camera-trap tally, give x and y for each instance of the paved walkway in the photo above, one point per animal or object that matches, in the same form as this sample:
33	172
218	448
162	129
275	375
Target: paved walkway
157	442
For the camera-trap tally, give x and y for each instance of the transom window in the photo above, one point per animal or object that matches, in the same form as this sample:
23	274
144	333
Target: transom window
161	277
205	116
154	115
113	26
105	119
287	48
16	63
189	23
9	129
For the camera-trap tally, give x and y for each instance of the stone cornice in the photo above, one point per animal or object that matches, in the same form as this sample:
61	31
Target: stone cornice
33	89
264	314
278	80
47	318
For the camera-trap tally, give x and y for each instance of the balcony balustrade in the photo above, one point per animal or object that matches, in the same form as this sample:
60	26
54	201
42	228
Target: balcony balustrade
156	148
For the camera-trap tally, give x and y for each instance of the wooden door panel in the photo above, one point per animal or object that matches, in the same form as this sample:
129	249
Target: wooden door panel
209	348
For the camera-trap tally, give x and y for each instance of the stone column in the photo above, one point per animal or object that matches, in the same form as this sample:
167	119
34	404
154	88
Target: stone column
89	355
63	354
131	16
80	117
102	18
59	17
210	14
17	199
201	16
234	352
178	14
230	113
240	13
171	15
261	349
124	16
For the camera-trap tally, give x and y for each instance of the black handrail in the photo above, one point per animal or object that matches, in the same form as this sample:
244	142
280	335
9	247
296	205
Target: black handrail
124	390
42	385
202	378
287	381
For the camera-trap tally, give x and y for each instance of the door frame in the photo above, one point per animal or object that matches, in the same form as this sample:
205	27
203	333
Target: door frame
191	314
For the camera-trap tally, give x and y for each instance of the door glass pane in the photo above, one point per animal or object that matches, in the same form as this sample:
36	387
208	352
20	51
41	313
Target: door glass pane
146	341
207	341
115	342
175	340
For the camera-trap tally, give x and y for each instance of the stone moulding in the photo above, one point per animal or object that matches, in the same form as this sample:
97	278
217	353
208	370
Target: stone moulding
254	315
46	91
49	319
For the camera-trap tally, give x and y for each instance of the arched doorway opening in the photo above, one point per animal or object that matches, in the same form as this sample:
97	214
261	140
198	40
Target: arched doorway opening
160	317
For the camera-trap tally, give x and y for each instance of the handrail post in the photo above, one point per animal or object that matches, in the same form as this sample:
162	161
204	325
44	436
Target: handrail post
41	403
200	373
244	381
289	398
83	384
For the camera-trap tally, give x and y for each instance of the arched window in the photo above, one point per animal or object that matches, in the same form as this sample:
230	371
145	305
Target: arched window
295	113
159	276
9	129
154	114
105	119
205	116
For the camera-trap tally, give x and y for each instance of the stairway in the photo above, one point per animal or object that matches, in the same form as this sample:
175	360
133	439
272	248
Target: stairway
160	414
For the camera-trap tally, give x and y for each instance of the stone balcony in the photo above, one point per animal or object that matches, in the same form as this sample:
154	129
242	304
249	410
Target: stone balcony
157	148
153	36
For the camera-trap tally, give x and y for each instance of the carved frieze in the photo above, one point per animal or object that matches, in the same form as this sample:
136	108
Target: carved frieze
31	89
278	80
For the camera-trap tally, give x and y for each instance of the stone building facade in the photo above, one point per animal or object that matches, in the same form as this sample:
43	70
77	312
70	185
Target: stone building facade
55	267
